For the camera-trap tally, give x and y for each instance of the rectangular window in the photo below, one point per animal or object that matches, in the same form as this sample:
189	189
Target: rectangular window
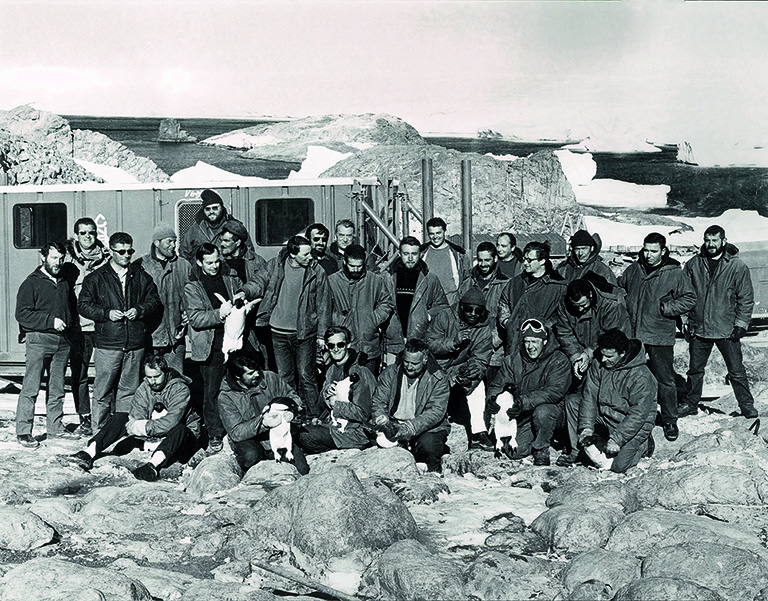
36	224
277	219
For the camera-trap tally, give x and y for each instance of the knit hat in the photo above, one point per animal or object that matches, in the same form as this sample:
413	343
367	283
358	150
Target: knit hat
582	238
163	231
234	227
209	197
533	328
474	296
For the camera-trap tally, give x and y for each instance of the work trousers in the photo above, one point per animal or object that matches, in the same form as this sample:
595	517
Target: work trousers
118	375
212	372
536	428
252	450
699	350
660	362
429	448
295	361
178	444
79	360
43	349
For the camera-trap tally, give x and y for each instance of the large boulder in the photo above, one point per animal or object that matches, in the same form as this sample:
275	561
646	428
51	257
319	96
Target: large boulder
24	162
493	575
271	474
328	518
55	579
605	567
732	572
213	475
510	534
343	133
595	494
644	532
669	589
577	528
530	194
39	127
21	530
409	571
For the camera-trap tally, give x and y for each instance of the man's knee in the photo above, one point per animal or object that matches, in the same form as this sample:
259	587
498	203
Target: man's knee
248	453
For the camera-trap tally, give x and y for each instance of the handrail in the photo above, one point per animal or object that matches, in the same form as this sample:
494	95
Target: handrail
378	222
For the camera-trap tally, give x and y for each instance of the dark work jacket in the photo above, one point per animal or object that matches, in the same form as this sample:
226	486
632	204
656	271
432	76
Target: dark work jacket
102	292
40	300
202	231
571	269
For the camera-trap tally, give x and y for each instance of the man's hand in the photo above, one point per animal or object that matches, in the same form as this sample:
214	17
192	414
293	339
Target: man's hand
585	435
225	310
462	339
331	397
580	364
405	431
612	448
115	315
131	314
492	407
380	420
515	410
737	334
59	325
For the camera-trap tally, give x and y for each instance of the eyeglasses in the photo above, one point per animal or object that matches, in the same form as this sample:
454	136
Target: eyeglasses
530	260
124	251
335	345
87	233
533	324
473	309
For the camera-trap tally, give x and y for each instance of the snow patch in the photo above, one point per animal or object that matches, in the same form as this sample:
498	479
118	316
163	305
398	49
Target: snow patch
319	159
618	194
111	175
239	139
503	157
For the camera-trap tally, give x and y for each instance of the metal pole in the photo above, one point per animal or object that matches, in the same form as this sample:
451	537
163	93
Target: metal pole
466	205
427	198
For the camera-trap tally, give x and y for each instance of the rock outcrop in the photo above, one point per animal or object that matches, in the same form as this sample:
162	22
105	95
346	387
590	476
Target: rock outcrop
171	131
344	133
37	147
527	195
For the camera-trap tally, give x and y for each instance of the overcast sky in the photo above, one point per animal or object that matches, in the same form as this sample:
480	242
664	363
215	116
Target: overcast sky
660	70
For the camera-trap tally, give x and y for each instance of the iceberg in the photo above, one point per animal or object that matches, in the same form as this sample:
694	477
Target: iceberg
612	144
579	168
612	193
319	158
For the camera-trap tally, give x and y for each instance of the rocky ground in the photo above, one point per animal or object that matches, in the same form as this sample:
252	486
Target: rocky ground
690	523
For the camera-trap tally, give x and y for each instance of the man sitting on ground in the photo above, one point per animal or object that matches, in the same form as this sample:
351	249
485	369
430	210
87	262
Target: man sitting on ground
618	403
160	418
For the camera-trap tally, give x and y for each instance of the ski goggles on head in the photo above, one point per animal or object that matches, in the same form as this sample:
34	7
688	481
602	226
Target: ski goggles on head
534	328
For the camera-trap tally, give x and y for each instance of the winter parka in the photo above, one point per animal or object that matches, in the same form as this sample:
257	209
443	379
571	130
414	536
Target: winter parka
571	269
174	397
724	299
492	289
203	318
202	231
40	300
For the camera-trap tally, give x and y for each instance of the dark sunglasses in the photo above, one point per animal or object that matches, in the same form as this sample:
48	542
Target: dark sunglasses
472	309
123	251
335	345
87	233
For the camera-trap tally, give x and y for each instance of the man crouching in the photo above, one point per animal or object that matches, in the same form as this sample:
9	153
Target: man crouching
160	418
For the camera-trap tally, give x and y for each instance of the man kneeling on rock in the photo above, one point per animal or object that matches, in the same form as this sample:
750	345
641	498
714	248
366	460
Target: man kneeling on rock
247	396
160	419
411	402
617	406
538	377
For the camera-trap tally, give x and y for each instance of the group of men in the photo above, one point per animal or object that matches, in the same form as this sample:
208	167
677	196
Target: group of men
364	352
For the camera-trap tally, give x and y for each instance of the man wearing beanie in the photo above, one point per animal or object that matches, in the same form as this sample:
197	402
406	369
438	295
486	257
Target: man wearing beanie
235	252
585	258
538	375
209	224
460	340
170	274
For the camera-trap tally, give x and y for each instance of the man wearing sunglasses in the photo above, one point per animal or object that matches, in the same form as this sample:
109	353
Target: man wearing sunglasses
120	298
539	376
461	342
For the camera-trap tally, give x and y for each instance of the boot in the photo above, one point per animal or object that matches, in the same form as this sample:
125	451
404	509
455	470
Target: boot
541	456
568	459
481	441
748	410
86	428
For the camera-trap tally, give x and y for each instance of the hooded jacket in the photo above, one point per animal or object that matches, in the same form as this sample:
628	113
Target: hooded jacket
85	262
724	299
175	398
544	379
428	301
432	393
202	231
203	318
40	300
441	339
492	289
656	299
314	316
577	333
240	408
571	269
102	292
363	306
624	396
527	297
358	409
170	280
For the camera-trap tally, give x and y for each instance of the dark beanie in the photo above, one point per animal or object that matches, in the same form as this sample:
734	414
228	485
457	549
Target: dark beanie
474	296
234	227
209	197
582	238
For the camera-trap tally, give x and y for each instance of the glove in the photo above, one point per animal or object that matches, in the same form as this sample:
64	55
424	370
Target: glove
585	437
470	371
390	430
514	411
612	448
491	406
137	427
405	431
462	340
380	420
737	334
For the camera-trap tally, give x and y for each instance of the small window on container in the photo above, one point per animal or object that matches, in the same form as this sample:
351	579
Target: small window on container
36	224
277	219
